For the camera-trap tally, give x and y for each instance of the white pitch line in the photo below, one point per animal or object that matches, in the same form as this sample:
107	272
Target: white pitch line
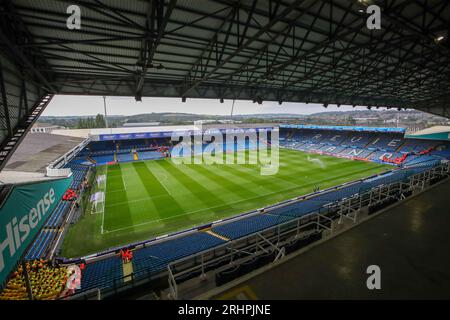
195	211
199	210
160	180
123	180
159	220
104	201
203	209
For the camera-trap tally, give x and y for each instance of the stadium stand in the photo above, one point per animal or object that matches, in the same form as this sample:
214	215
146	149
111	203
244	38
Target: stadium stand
387	148
79	172
106	152
125	157
149	155
55	219
102	274
243	227
41	246
47	282
347	143
156	257
152	257
103	159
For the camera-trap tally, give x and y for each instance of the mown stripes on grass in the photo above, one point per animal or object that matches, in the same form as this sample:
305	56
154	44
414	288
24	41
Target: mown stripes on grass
114	181
150	198
154	187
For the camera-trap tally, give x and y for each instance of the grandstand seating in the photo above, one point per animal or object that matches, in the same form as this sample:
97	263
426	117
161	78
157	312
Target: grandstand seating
103	159
125	157
104	152
102	274
40	245
79	160
388	148
246	226
99	148
149	155
58	214
79	172
47	282
441	153
386	142
357	139
344	142
156	257
416	145
48	234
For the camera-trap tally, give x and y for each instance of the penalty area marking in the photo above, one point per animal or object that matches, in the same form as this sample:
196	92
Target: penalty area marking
162	177
213	207
124	183
194	211
161	182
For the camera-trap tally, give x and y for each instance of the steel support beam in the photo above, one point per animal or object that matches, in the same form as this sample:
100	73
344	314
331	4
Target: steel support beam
258	34
10	144
156	22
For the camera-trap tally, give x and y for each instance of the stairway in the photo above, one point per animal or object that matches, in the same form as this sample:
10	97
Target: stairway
127	271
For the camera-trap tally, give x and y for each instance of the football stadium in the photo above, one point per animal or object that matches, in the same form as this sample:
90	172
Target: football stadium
269	210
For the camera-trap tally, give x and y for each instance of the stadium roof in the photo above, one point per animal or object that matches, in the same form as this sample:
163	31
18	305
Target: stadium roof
85	133
29	161
282	50
435	133
432	130
123	130
38	150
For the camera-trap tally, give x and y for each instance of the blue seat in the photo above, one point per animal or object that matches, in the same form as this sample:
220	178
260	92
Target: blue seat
246	226
155	258
102	274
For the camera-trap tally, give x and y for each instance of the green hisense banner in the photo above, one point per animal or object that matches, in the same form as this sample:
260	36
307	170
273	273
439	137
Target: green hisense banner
22	216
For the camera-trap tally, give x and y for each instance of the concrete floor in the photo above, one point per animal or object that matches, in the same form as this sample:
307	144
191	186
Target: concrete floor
410	243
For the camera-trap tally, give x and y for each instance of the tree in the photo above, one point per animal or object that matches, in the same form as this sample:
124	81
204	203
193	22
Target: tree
100	121
351	121
81	123
90	122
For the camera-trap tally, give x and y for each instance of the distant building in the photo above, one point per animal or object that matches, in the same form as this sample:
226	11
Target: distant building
229	121
224	121
41	127
362	120
140	124
205	121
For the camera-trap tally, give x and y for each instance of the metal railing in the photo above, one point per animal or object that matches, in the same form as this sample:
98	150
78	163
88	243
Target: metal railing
64	172
69	155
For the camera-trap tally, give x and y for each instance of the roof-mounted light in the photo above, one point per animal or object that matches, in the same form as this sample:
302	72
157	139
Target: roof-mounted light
439	39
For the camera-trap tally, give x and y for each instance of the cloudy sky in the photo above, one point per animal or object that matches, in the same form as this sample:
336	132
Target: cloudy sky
91	105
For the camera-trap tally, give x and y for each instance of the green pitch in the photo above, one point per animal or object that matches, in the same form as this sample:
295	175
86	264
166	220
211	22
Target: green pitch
144	199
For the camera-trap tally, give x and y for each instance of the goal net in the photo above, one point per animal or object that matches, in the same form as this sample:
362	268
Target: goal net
98	202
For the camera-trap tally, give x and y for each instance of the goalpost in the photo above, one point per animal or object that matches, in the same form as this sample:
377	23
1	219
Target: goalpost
98	202
98	198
